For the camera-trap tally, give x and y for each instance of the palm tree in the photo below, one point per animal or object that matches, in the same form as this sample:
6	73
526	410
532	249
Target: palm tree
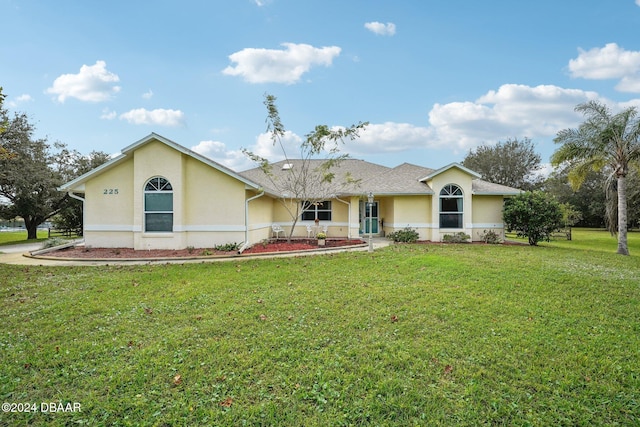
604	141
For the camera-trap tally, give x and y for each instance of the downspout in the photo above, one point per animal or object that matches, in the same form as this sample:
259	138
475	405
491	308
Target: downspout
348	216
245	245
73	196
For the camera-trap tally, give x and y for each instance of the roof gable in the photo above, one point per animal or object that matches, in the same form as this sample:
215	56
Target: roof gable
127	151
450	166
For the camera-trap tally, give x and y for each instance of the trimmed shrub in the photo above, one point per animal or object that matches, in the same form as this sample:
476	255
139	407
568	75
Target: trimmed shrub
458	237
491	237
227	247
406	235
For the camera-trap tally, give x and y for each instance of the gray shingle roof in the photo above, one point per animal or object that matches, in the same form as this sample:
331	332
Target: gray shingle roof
404	179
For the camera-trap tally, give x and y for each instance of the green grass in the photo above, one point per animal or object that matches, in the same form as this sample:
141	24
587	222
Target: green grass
409	335
18	237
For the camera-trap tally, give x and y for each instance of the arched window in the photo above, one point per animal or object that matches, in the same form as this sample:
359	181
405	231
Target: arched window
158	205
451	207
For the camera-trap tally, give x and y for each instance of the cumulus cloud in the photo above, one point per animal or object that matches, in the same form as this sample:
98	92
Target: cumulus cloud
148	94
20	99
381	29
609	62
94	83
217	151
160	117
264	147
108	114
279	66
390	137
511	111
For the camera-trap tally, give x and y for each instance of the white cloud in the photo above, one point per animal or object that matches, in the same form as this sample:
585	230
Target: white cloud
160	117
217	151
381	29
389	137
511	111
638	2
93	84
609	62
148	94
264	147
20	99
108	114
279	66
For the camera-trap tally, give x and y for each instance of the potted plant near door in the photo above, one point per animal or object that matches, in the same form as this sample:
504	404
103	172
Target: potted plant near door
322	238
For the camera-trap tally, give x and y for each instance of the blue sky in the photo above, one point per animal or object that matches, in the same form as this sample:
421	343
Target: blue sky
434	78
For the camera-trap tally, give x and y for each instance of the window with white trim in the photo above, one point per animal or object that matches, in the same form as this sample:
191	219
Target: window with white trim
158	205
451	207
316	210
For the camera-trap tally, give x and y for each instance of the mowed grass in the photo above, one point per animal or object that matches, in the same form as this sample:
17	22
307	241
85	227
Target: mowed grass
409	335
18	237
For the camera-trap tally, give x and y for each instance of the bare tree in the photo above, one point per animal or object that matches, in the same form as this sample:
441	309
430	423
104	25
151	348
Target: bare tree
311	178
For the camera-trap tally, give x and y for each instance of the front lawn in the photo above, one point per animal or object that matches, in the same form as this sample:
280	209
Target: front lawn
409	335
19	237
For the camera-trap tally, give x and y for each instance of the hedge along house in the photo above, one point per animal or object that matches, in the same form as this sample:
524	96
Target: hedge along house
158	194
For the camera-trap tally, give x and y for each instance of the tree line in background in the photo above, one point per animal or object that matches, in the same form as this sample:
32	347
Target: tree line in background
31	170
596	173
595	181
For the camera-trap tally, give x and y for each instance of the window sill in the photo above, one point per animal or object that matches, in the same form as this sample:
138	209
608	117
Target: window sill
157	234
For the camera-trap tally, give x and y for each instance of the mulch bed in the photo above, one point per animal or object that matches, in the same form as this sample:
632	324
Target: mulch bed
127	253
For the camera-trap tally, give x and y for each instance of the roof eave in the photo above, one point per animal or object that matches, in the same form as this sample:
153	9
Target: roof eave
75	183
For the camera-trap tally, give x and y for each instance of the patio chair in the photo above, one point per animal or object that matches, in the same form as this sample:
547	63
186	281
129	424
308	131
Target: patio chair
325	229
276	230
309	231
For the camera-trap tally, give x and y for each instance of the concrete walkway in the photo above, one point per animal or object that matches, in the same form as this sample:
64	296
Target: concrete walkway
20	255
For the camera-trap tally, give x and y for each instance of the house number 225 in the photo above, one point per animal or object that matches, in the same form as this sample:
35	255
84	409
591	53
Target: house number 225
110	191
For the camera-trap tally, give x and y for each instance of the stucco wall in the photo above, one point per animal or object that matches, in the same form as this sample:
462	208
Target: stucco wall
208	205
487	215
414	212
108	208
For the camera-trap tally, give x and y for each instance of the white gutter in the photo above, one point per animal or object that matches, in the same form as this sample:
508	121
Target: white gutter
348	217
245	245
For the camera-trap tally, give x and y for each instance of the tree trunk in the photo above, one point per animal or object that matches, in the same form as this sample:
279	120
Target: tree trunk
32	229
623	249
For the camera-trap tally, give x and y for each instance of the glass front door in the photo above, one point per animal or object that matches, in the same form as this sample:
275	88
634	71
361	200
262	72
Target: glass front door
365	223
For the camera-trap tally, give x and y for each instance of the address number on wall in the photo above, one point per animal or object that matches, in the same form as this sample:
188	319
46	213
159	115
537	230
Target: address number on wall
110	191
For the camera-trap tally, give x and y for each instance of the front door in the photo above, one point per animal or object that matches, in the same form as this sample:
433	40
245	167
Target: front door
365	223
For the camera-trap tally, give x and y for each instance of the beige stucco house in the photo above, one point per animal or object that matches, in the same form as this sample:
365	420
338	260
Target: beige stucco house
158	194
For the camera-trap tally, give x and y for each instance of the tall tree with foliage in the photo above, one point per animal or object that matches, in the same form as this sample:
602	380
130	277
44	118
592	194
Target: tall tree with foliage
604	141
313	178
4	153
589	199
513	163
71	164
534	215
31	173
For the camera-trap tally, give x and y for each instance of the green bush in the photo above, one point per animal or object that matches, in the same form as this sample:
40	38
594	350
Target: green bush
458	237
227	247
491	237
406	235
535	215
